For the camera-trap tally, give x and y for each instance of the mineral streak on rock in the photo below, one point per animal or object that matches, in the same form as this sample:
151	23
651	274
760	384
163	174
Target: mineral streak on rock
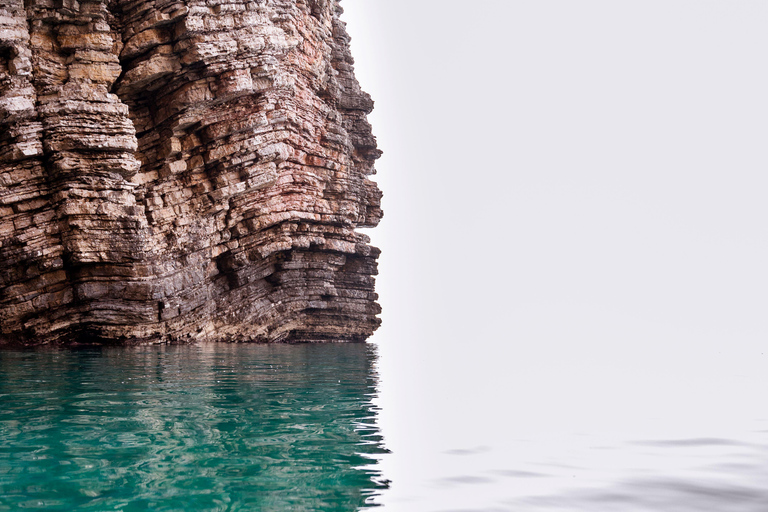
181	170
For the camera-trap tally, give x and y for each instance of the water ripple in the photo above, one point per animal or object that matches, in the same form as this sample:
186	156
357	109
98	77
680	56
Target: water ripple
668	494
219	428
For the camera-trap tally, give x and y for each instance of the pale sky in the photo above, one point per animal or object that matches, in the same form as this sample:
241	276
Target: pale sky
574	197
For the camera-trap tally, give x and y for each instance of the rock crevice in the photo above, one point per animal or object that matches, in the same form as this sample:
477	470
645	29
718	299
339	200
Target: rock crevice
173	171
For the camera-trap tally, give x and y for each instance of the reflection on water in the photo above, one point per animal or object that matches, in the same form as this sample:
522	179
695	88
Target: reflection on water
213	427
546	427
244	427
591	473
681	475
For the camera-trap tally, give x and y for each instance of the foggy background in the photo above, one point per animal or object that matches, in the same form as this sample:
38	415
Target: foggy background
574	236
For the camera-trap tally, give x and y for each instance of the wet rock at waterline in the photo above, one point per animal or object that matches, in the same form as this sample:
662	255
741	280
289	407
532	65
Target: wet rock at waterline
185	170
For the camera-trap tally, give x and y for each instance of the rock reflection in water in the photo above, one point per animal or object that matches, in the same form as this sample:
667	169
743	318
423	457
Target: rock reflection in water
212	427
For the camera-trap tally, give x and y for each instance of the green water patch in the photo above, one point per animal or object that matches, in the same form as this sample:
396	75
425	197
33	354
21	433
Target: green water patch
211	428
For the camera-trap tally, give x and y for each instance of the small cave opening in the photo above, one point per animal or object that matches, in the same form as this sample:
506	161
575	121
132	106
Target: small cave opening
316	8
6	54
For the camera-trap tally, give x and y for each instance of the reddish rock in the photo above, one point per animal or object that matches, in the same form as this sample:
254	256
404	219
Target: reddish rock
183	170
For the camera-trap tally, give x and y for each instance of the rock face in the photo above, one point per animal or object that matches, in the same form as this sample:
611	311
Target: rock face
182	170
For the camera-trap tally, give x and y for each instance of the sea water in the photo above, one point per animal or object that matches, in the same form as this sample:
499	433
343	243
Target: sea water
223	427
212	427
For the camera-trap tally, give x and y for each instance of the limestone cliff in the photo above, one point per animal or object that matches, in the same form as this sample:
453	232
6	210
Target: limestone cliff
180	170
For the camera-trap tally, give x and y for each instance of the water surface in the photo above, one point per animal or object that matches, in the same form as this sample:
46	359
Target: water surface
212	427
253	427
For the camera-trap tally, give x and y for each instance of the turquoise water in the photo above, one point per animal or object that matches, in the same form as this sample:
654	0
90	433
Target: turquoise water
213	427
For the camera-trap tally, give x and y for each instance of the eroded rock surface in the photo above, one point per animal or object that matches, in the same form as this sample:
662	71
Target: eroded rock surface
181	170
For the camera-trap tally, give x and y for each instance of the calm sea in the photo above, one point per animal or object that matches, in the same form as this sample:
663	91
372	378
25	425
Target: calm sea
252	427
215	427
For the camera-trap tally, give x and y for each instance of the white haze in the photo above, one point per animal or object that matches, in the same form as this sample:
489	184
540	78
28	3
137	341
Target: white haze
574	241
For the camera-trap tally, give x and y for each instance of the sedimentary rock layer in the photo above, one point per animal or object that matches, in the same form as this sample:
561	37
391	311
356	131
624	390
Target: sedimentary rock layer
180	170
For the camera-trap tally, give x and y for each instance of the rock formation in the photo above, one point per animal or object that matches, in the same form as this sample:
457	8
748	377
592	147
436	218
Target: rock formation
181	170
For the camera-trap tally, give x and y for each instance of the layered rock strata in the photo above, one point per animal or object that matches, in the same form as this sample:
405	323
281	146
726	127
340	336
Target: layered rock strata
181	170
